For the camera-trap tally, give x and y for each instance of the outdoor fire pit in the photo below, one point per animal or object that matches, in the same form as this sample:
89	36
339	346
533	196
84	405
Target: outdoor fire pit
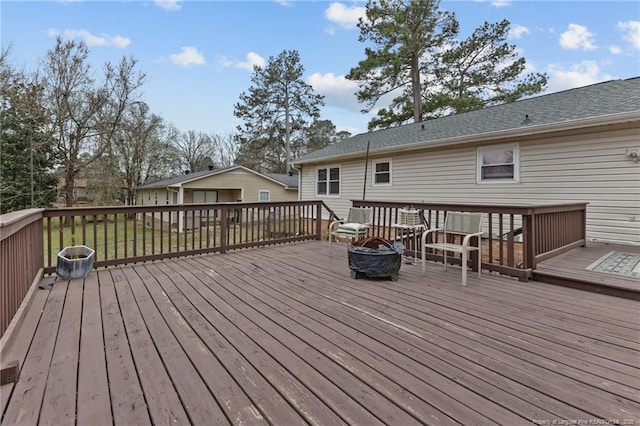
375	257
75	262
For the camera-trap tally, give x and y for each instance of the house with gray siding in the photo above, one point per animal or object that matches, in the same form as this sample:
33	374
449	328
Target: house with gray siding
578	145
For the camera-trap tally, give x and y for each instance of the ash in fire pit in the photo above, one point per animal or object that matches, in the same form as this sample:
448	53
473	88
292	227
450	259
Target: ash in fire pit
375	257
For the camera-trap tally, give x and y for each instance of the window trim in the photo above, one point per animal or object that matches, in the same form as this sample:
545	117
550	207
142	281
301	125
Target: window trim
264	191
515	147
374	174
328	181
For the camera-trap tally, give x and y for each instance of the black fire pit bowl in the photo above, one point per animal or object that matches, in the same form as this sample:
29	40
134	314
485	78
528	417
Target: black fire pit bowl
383	261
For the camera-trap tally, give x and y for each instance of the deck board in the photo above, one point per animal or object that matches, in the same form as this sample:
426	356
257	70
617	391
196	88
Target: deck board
491	355
27	397
200	404
367	362
163	402
94	403
18	348
59	402
283	335
574	264
196	311
127	404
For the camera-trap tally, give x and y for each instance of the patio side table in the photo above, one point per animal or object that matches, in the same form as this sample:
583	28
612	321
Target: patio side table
409	226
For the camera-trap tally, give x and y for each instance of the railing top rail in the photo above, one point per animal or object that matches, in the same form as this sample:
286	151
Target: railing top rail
83	211
524	209
10	223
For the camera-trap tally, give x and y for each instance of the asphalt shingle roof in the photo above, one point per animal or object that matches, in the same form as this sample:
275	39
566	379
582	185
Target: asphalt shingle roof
597	100
285	179
179	179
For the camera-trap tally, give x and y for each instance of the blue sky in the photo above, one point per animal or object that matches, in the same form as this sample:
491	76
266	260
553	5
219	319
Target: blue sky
198	55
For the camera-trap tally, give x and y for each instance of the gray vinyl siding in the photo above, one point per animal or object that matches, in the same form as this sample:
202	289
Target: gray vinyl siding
589	167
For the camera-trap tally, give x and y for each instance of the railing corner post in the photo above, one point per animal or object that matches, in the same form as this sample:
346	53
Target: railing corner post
530	240
319	221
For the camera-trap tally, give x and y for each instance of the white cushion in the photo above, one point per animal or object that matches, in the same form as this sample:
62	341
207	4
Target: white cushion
352	228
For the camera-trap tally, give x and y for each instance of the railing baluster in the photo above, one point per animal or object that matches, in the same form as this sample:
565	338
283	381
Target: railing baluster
115	236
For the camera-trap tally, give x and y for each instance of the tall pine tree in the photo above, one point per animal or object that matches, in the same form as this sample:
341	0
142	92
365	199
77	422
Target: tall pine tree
416	59
26	174
275	112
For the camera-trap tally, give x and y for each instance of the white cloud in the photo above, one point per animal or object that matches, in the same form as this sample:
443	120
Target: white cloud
577	37
615	50
252	59
188	56
517	31
344	16
169	4
581	74
630	32
501	3
285	3
337	90
102	40
224	62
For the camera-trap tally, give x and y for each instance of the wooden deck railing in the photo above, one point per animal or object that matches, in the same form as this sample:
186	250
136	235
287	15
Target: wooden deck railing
121	235
21	259
517	236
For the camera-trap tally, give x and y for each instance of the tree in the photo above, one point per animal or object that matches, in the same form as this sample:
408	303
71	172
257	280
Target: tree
429	72
143	148
275	113
85	114
196	150
225	149
482	71
322	133
27	179
405	35
104	182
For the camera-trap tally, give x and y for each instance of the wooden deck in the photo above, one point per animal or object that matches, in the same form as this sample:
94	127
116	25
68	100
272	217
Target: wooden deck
570	269
282	335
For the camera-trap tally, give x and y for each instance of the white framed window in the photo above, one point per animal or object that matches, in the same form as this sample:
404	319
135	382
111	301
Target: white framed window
381	172
498	163
264	195
156	199
328	181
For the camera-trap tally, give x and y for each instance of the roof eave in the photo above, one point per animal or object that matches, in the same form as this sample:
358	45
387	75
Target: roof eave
490	136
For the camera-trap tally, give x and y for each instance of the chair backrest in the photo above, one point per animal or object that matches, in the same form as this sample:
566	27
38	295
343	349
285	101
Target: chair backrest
463	223
359	215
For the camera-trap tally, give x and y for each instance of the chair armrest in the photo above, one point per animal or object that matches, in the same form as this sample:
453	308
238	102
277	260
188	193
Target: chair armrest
465	240
426	233
336	222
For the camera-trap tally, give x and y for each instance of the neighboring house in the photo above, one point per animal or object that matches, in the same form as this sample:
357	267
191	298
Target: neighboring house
579	145
231	184
80	190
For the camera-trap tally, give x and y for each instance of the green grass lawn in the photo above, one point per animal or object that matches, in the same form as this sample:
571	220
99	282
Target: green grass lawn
114	238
